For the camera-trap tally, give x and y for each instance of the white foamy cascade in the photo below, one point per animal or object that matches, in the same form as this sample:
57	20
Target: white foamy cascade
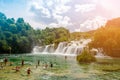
73	47
61	46
46	48
49	48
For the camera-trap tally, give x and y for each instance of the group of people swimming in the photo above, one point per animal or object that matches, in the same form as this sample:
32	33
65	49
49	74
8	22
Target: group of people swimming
17	68
45	65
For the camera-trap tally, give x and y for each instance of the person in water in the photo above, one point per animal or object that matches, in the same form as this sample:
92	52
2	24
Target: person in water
5	61
17	69
28	71
51	65
22	62
1	66
65	57
38	62
45	66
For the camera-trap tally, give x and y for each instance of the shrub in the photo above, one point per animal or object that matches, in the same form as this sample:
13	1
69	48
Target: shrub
85	56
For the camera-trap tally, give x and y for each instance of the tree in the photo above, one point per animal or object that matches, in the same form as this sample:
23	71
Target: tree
21	37
108	38
85	57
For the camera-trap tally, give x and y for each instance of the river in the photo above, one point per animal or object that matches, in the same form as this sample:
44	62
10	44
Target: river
63	68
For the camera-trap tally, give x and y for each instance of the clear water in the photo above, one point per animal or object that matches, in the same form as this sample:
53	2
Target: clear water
63	69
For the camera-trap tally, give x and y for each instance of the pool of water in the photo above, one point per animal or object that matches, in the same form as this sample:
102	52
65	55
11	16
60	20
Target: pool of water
63	68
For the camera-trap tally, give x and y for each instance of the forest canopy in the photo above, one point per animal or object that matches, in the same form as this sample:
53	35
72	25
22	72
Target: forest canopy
18	36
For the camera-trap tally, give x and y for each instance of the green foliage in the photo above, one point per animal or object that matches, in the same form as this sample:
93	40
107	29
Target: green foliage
85	56
52	35
15	34
21	37
108	38
79	35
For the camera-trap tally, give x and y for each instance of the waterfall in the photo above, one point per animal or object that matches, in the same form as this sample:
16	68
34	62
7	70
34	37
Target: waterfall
49	48
64	49
46	48
78	50
38	49
61	46
73	47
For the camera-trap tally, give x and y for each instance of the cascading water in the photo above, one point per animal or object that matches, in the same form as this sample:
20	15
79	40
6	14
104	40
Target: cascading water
46	48
61	46
38	49
64	50
49	48
73	47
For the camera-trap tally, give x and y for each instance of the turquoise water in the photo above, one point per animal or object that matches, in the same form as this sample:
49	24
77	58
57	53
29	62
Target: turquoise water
63	69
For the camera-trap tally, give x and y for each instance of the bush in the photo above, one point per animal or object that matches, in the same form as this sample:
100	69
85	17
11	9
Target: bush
85	56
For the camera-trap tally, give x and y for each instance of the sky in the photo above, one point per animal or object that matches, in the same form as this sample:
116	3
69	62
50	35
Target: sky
75	15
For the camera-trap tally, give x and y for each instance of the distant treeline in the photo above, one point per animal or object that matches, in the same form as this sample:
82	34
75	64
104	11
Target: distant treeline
17	36
79	35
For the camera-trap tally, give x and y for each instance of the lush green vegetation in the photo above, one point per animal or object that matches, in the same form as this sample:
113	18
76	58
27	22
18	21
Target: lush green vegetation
108	38
17	36
79	35
85	56
52	35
